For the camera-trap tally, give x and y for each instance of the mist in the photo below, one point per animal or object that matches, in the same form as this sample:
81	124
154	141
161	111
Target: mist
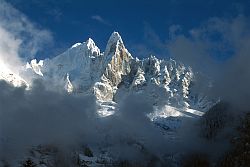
43	116
40	116
218	50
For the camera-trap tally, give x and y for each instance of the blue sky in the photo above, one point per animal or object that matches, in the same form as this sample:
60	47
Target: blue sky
145	25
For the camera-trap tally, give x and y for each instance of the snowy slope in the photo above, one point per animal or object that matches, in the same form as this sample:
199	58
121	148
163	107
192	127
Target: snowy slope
9	76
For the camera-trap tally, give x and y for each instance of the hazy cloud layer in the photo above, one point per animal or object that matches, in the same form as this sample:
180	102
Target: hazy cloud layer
219	48
41	116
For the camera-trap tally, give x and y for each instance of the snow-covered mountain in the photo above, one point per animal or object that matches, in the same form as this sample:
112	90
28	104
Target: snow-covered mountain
11	77
112	74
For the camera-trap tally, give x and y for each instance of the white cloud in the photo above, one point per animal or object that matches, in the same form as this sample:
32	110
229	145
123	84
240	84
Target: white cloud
100	20
9	48
20	38
220	49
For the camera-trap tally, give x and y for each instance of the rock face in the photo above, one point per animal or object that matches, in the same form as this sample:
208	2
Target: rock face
114	73
117	61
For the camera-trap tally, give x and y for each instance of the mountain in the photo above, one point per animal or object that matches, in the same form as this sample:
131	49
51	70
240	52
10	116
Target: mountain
111	76
114	73
11	77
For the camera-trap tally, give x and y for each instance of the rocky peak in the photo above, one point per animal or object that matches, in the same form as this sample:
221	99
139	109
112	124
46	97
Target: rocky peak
114	43
35	66
117	59
91	46
117	62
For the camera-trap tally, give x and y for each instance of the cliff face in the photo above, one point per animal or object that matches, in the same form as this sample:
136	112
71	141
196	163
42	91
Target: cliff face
117	64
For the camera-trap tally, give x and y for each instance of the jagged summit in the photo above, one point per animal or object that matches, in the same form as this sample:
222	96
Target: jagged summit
114	42
90	44
90	41
115	37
